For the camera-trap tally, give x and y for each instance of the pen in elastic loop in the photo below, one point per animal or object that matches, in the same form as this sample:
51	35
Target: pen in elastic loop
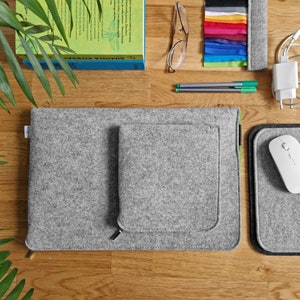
237	84
216	90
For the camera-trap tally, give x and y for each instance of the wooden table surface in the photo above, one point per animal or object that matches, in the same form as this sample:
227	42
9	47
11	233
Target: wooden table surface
239	274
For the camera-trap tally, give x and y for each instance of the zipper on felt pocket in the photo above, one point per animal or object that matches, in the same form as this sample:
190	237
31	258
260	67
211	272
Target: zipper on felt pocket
116	234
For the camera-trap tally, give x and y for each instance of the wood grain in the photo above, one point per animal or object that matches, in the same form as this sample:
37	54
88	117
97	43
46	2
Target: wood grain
240	274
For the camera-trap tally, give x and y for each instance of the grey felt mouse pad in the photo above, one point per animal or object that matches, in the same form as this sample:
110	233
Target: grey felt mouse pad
73	199
168	177
275	210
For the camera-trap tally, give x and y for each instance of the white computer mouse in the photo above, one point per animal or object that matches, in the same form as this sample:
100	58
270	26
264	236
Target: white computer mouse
285	151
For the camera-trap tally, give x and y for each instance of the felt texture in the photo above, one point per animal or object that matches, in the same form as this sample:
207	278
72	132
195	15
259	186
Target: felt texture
235	63
237	37
226	42
242	10
257	35
224	24
223	13
217	30
224	58
73	199
227	19
224	49
168	177
222	3
276	210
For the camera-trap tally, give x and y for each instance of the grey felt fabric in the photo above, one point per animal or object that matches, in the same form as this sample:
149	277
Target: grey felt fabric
168	177
277	210
73	200
236	9
257	35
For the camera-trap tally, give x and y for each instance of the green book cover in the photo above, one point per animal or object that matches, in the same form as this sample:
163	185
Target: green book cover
117	34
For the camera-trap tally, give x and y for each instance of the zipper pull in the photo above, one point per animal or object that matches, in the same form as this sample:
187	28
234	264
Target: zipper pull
116	234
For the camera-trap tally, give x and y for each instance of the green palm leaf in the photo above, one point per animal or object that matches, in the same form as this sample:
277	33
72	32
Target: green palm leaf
9	17
64	49
7	281
4	255
99	8
3	162
49	38
4	267
3	105
5	87
87	9
51	67
65	66
28	295
15	67
15	293
5	241
56	18
69	3
37	9
35	29
37	67
30	32
26	24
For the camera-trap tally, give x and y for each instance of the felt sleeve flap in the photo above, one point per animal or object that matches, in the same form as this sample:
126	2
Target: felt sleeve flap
168	177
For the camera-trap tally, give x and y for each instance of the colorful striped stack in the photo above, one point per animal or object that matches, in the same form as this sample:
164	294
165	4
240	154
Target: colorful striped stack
225	33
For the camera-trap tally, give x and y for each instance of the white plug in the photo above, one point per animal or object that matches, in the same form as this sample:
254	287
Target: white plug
285	80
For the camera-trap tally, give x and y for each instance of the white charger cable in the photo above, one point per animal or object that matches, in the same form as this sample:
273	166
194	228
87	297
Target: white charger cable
285	73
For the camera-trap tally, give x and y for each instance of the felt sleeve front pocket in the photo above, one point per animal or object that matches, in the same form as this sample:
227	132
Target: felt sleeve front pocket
168	177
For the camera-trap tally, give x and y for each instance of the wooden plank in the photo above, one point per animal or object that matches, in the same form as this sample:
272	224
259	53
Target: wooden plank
240	274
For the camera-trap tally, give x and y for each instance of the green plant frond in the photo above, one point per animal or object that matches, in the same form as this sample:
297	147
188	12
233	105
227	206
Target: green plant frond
5	241
16	69
64	49
69	4
3	162
28	295
65	66
26	24
9	17
31	44
49	38
99	8
4	267
3	24
5	87
51	67
37	9
87	9
37	67
37	29
4	255
7	281
15	293
56	18
3	105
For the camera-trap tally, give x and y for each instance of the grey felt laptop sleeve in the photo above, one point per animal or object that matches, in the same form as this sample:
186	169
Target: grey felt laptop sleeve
168	178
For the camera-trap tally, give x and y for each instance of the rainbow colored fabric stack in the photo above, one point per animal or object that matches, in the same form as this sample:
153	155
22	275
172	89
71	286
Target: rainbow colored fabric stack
225	33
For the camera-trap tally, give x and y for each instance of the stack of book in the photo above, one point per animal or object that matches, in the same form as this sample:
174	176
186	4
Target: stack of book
115	40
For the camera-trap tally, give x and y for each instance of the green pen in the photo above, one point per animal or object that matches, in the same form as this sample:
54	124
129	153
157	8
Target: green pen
250	89
234	84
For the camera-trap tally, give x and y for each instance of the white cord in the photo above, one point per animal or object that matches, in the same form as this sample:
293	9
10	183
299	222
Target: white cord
282	56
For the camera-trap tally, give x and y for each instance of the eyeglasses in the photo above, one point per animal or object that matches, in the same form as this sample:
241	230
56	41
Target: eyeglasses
180	34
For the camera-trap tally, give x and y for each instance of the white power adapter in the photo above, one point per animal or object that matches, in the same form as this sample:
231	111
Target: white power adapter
285	73
285	80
